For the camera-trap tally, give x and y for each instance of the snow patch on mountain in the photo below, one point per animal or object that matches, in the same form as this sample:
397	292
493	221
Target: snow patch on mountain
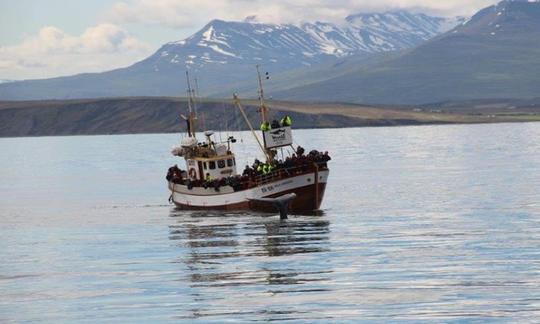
250	42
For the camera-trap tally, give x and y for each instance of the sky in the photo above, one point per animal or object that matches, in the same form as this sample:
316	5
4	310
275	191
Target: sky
50	38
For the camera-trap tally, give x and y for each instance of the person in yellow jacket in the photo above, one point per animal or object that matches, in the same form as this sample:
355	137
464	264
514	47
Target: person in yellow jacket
286	121
265	126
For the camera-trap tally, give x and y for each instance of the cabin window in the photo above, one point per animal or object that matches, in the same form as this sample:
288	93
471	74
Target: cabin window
221	164
212	165
230	162
205	166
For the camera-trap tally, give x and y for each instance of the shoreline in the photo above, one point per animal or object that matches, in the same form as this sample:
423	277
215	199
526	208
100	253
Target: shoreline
312	128
157	115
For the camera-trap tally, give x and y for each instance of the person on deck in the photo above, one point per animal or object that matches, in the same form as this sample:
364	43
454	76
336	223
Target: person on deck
265	126
256	165
286	121
326	157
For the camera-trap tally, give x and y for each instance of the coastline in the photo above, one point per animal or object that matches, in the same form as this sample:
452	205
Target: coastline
158	115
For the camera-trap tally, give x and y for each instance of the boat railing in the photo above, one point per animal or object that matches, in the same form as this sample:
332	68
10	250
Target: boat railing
282	173
277	174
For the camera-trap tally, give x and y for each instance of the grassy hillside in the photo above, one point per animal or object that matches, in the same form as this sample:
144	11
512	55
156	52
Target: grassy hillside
162	115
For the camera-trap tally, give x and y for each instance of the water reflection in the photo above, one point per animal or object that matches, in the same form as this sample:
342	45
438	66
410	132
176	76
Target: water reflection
237	255
207	236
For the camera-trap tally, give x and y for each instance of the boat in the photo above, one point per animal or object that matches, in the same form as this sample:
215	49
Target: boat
210	179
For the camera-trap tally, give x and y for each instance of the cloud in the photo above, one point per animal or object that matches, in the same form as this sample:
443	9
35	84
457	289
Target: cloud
193	13
53	52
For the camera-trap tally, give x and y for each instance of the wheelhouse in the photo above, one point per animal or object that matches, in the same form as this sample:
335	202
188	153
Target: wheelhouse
215	168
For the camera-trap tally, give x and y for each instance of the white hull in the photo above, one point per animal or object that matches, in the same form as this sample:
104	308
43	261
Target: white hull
200	198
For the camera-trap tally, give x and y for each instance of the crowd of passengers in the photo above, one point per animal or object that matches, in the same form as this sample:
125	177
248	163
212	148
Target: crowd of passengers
298	163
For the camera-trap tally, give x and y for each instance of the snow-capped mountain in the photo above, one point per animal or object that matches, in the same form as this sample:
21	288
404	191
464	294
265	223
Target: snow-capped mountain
223	55
221	42
495	54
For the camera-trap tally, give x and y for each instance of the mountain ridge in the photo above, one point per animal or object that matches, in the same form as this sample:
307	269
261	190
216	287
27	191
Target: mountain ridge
492	55
224	53
365	33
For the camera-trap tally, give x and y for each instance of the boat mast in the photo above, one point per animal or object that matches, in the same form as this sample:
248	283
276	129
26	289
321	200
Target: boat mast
191	104
263	109
261	146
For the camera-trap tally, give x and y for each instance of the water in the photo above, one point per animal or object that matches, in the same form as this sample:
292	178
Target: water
436	223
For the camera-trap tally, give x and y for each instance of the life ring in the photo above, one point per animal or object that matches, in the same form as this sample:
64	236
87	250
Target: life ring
192	173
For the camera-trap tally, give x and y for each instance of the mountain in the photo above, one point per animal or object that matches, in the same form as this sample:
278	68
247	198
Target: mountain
223	54
496	54
252	43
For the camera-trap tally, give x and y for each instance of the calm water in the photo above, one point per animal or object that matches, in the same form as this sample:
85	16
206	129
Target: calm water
419	223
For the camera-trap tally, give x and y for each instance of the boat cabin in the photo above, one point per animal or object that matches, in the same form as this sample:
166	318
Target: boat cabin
215	168
207	160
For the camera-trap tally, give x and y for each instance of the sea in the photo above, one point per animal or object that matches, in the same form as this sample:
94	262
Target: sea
418	224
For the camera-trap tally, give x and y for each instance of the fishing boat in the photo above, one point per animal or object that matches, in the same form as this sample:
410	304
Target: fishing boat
210	179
